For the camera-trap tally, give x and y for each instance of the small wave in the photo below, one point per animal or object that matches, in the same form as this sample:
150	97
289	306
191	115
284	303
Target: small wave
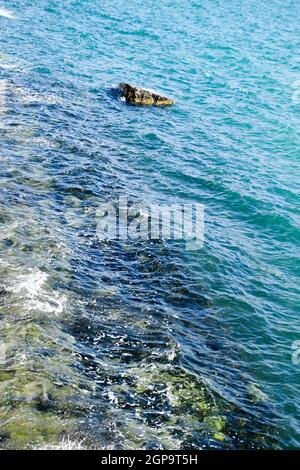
7	14
31	283
25	136
10	62
29	97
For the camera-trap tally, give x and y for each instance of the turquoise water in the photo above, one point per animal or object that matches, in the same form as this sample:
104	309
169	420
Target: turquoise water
148	345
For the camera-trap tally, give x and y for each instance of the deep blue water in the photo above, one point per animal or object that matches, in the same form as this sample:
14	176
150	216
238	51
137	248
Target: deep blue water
146	344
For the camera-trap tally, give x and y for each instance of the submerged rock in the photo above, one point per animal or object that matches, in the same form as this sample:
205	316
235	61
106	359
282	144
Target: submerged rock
140	96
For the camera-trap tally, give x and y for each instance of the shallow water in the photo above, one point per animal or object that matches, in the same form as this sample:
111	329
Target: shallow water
149	345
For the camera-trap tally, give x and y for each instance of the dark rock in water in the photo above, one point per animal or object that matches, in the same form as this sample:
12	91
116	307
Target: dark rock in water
140	96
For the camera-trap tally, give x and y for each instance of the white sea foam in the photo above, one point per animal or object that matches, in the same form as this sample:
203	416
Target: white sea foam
11	62
173	353
65	444
43	142
36	295
3	92
8	66
7	13
8	63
